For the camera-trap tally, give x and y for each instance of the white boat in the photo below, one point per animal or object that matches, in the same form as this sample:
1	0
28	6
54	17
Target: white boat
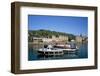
57	50
67	47
50	51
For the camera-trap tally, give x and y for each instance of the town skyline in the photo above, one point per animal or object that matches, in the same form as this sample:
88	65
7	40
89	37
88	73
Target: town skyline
78	25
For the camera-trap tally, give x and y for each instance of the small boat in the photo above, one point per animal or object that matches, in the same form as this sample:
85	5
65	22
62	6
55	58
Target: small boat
62	46
58	49
50	51
67	47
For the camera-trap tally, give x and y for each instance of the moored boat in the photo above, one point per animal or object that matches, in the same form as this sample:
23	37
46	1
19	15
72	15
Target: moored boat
58	49
67	47
50	51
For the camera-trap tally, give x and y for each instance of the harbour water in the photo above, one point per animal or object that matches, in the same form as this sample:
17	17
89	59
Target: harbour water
82	52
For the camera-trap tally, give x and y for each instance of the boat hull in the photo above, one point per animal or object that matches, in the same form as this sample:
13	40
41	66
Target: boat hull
51	52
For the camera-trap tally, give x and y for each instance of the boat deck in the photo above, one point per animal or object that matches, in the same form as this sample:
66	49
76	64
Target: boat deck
55	52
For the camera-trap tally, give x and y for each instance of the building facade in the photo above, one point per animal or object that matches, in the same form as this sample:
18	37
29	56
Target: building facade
53	39
79	39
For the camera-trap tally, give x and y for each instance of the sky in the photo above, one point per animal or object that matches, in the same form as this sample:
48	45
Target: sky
67	24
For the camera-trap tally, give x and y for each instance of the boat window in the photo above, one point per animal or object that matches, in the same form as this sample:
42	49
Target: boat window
45	46
51	52
52	48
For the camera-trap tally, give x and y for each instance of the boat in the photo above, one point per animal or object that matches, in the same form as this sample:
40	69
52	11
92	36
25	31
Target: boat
67	47
62	46
58	49
50	51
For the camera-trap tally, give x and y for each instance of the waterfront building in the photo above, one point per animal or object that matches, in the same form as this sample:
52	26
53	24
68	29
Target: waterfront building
37	40
53	39
79	39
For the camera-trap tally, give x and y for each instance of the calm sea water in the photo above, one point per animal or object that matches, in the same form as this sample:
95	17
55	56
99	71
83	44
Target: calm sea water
82	52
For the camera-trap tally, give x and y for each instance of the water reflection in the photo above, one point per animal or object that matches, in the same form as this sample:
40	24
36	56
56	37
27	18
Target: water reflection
80	53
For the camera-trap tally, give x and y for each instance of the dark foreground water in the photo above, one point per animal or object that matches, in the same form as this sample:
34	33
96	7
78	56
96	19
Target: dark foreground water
82	52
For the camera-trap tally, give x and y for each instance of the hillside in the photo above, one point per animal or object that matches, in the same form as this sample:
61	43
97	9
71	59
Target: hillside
48	34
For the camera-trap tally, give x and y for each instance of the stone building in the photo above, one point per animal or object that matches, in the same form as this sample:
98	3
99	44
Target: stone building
53	39
60	38
37	40
79	39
